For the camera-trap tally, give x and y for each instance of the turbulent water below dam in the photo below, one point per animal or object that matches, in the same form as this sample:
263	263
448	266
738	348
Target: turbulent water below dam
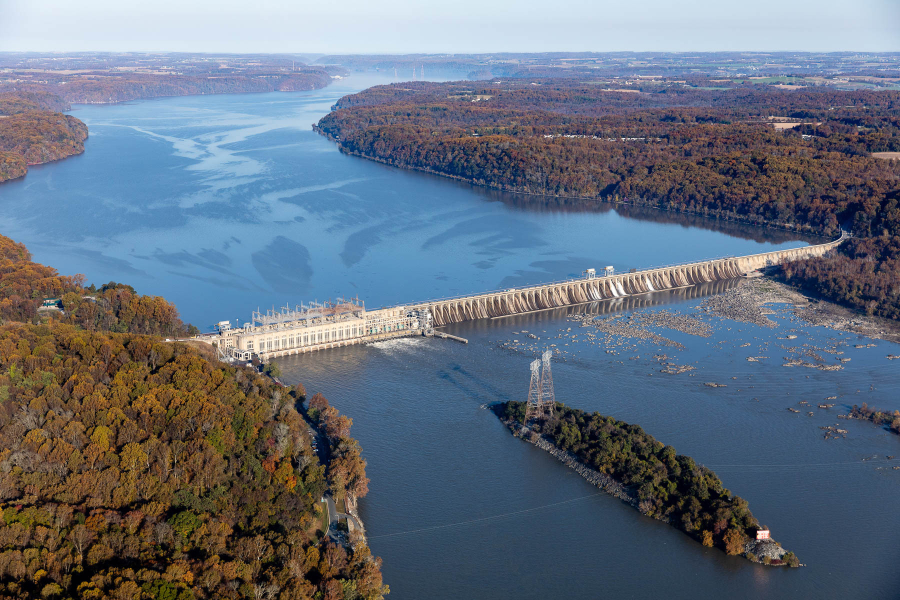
223	204
459	508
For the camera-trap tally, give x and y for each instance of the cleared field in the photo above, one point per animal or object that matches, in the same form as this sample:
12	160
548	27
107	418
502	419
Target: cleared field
782	123
887	155
786	125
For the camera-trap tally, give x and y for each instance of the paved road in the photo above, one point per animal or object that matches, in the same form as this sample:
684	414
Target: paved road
334	515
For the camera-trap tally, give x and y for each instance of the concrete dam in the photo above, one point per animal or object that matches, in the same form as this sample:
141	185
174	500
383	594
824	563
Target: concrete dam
345	322
594	288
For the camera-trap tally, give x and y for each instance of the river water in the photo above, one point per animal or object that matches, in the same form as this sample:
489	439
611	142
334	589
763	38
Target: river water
459	508
224	204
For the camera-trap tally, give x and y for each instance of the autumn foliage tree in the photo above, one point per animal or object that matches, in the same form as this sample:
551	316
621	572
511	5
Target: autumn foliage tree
113	307
33	130
714	153
134	466
665	485
347	468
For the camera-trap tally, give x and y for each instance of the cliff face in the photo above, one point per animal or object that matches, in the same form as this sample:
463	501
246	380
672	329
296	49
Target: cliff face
35	137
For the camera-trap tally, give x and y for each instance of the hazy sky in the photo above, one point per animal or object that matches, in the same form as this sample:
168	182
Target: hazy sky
377	26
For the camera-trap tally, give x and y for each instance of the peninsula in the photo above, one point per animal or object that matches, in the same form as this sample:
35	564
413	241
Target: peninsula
34	130
806	159
133	466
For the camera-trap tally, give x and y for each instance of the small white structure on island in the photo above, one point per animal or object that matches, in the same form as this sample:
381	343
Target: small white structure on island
762	534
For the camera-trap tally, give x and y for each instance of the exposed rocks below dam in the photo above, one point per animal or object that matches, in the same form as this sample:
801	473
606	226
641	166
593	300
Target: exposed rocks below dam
747	303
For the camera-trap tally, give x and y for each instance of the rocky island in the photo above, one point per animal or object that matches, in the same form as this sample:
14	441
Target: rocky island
623	460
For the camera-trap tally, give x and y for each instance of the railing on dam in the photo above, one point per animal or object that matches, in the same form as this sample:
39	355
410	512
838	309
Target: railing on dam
577	291
831	244
367	325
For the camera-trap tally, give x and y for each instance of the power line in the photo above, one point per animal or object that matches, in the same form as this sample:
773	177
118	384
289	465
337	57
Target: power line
849	462
561	502
792	466
483	519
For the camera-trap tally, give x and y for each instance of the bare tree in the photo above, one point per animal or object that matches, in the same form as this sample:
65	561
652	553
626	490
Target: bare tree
163	533
81	538
265	591
260	547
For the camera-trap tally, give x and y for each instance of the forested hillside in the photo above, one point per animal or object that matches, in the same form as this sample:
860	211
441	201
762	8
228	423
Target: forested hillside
33	131
103	88
113	307
132	468
100	78
19	102
12	166
799	160
135	468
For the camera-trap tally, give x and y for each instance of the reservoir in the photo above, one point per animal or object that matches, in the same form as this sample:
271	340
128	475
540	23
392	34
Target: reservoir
226	204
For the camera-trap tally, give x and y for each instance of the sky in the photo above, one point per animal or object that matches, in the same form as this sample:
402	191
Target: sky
457	26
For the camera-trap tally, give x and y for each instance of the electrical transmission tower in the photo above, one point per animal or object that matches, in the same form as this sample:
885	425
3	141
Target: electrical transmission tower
533	406
548	396
541	398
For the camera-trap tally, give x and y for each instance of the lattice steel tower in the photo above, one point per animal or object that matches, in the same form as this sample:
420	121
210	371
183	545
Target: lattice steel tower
533	407
548	396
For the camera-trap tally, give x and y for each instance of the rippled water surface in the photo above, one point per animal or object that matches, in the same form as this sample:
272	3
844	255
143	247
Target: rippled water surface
226	203
459	508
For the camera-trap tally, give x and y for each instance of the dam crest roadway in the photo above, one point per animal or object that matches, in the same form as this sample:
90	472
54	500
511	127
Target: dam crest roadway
347	322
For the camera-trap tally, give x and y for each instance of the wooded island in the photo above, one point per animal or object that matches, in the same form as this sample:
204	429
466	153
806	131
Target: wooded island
633	466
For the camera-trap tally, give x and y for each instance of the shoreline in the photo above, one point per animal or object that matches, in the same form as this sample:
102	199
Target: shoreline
808	307
38	164
75	103
601	480
799	229
762	552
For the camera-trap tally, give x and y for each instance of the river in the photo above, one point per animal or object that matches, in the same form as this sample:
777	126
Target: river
223	204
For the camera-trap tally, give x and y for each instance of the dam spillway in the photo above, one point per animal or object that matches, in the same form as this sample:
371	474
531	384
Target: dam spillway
348	322
591	289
